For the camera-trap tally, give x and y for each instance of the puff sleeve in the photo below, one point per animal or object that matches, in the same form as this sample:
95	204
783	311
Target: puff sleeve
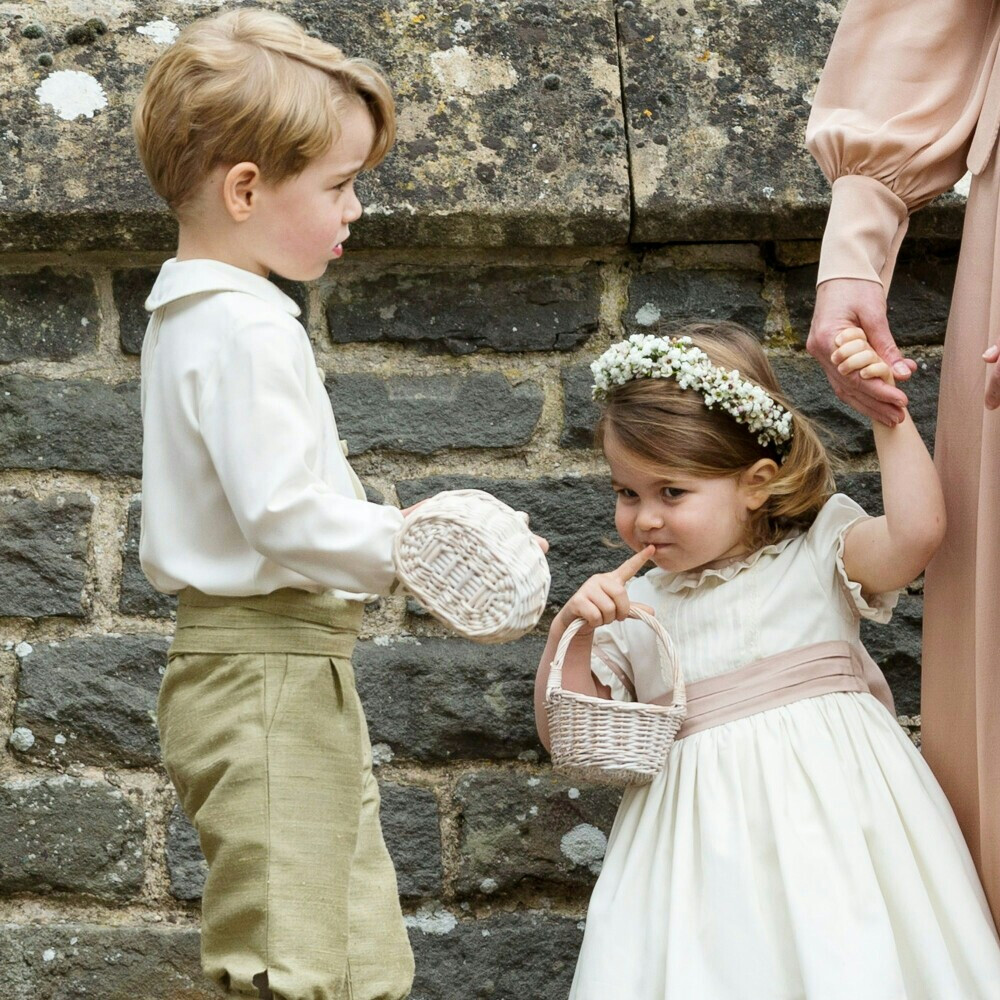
825	543
892	120
610	662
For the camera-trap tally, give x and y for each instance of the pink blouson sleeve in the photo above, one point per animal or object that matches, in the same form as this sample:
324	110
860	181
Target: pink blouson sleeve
892	120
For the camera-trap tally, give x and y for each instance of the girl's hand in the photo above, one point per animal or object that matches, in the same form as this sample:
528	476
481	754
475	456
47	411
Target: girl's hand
851	302
603	598
991	355
854	354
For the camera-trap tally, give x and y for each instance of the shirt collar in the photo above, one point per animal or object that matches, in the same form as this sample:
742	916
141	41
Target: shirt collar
180	278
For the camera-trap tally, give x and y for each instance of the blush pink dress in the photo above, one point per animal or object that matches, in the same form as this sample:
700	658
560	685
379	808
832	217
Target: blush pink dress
909	101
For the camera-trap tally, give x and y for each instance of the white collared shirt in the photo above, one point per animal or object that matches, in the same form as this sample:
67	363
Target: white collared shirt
245	484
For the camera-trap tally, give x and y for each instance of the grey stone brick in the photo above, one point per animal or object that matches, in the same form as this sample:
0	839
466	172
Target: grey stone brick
896	649
138	595
68	835
464	310
66	961
919	297
439	699
92	700
47	315
186	864
488	153
865	488
131	288
509	956
845	430
671	295
425	414
83	425
575	514
43	551
716	104
411	827
580	412
523	829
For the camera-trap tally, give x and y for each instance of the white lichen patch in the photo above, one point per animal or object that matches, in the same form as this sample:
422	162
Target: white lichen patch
488	885
585	845
22	739
72	94
459	70
381	754
23	649
48	955
396	640
432	919
964	185
163	31
648	314
574	793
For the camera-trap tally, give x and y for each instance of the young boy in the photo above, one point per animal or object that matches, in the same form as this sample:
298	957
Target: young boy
254	132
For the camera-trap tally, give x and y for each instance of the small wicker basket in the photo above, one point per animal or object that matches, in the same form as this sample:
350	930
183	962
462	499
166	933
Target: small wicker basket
472	562
613	742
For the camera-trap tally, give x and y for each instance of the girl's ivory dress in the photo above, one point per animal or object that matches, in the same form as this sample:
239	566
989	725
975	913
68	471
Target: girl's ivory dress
802	853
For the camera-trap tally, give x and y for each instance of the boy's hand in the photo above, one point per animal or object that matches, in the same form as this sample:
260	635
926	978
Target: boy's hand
603	598
855	354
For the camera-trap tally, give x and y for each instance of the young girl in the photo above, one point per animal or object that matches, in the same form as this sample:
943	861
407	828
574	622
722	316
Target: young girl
795	845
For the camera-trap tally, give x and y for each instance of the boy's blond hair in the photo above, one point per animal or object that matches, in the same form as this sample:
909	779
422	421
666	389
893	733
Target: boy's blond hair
250	85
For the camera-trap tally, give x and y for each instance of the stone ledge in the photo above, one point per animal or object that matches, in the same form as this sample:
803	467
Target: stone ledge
510	124
717	97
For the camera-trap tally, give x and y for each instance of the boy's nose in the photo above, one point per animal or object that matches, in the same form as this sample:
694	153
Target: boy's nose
353	210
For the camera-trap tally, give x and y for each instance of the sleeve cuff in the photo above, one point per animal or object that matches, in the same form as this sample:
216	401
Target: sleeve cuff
864	229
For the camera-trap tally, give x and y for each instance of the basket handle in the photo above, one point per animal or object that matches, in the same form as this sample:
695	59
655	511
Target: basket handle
669	662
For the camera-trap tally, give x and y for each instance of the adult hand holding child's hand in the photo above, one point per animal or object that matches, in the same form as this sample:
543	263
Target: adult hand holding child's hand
854	353
603	598
850	303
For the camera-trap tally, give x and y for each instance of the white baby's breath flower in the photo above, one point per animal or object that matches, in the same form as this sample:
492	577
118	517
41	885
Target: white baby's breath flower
645	355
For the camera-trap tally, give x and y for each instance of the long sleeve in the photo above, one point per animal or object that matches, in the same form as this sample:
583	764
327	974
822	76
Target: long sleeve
892	120
264	441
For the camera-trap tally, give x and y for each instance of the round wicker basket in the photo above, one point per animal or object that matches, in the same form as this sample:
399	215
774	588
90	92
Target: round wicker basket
613	742
472	562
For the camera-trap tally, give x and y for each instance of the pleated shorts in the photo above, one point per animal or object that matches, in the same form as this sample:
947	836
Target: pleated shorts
265	741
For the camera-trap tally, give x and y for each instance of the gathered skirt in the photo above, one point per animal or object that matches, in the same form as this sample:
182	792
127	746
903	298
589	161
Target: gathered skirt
800	853
265	741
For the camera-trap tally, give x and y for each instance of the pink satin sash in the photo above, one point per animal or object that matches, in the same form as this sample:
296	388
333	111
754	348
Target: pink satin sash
790	676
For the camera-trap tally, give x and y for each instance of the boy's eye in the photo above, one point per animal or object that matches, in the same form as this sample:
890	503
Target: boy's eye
624	494
673	493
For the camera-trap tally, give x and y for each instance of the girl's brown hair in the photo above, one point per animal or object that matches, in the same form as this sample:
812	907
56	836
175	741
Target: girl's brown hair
657	421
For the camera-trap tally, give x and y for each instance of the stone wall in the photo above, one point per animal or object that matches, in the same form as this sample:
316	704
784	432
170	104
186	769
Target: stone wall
566	173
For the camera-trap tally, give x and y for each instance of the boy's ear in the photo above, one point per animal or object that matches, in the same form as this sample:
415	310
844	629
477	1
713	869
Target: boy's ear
753	482
239	190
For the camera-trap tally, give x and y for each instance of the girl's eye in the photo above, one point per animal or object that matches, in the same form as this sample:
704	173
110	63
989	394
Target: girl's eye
624	494
673	493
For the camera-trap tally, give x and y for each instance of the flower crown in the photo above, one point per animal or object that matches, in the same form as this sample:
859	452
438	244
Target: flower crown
644	355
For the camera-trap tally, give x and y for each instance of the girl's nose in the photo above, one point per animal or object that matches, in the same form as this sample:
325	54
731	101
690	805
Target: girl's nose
648	519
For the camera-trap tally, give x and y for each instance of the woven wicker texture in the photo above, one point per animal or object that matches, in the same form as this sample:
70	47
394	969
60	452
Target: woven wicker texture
613	742
471	561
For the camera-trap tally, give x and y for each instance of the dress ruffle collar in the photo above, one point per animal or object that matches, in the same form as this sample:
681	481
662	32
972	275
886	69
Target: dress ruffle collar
693	578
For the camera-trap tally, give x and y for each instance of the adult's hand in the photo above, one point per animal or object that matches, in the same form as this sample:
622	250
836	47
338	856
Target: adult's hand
851	302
